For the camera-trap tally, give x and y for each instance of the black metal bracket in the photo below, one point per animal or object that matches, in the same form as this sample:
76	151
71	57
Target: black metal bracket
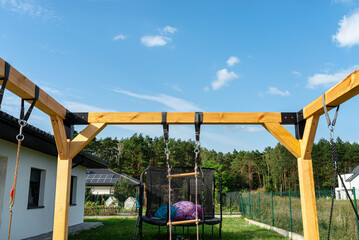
296	119
165	125
5	79
72	119
79	118
69	129
198	120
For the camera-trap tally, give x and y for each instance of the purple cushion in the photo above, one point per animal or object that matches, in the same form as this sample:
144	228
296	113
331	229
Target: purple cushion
186	210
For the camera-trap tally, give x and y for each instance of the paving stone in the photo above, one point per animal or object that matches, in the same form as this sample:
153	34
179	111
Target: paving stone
72	230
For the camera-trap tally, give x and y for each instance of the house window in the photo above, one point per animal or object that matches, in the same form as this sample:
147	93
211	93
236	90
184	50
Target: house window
36	189
73	190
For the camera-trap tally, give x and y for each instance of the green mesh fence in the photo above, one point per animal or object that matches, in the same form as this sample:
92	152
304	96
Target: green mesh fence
283	210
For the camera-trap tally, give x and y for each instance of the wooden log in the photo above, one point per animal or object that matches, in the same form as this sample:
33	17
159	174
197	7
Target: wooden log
343	91
307	199
62	199
308	137
63	180
306	181
24	88
60	136
183	118
183	222
284	137
183	175
86	135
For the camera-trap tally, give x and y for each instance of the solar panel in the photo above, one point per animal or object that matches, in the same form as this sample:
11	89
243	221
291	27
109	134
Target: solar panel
101	178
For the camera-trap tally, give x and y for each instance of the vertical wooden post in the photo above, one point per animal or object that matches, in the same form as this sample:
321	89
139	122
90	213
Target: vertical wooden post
62	199
67	149
63	180
306	181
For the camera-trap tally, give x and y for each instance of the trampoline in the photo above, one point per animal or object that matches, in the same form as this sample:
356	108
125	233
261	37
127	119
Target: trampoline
183	189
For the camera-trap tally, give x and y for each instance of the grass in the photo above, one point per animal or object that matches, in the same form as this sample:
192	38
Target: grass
343	222
123	228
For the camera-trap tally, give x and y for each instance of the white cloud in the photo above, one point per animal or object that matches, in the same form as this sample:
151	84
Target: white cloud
159	40
343	1
175	104
27	8
348	33
276	91
326	80
168	30
232	60
241	128
223	78
82	107
53	91
297	73
177	88
153	41
119	37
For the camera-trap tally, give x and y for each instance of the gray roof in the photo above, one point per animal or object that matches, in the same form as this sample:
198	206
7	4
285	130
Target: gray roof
107	177
355	173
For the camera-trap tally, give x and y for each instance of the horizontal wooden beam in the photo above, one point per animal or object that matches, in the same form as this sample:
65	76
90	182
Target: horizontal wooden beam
184	118
24	88
343	91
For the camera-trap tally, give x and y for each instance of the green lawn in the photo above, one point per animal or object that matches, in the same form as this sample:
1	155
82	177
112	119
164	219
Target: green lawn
115	228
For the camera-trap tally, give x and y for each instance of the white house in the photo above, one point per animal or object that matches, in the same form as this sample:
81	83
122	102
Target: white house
33	211
351	180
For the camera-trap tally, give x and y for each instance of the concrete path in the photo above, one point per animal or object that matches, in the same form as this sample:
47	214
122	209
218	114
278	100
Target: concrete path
72	229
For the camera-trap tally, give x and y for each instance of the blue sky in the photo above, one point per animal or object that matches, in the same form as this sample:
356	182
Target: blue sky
214	56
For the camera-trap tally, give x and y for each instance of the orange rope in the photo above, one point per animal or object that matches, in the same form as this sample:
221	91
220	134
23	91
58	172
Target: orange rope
13	190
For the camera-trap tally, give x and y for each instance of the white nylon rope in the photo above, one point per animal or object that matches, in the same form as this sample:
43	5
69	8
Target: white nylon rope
169	190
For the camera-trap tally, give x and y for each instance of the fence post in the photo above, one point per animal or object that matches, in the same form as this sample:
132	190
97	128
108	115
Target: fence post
242	208
355	204
290	212
249	204
271	195
259	205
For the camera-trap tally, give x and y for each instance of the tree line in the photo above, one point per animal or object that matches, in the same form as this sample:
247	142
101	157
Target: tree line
273	169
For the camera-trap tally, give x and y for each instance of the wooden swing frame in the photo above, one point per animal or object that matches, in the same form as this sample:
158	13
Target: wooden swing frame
305	121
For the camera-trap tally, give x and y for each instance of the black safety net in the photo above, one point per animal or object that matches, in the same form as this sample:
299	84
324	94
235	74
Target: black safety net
183	189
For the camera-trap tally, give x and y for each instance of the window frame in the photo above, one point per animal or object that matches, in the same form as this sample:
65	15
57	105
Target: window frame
39	190
73	190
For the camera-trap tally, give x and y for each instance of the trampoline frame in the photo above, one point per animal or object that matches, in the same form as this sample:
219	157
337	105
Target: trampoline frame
203	222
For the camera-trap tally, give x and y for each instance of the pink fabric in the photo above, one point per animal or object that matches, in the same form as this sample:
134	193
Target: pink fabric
186	210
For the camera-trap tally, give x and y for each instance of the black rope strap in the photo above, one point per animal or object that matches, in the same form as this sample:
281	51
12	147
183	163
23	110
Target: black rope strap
335	159
198	120
5	79
26	116
165	125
